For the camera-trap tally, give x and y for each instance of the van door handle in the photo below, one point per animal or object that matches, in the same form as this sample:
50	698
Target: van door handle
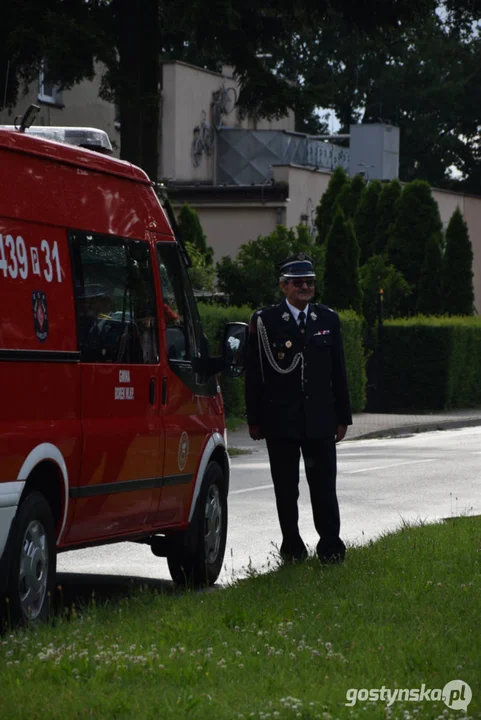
152	391
164	390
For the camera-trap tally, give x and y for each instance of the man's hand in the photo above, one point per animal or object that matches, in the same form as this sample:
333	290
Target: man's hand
255	432
340	432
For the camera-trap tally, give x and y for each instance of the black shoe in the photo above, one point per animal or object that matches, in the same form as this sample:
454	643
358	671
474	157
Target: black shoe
296	554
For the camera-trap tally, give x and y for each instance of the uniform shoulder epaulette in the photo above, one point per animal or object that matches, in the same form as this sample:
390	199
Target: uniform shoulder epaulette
267	307
325	307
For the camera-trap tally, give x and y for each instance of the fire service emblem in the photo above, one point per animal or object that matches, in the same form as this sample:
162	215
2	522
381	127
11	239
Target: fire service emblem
40	315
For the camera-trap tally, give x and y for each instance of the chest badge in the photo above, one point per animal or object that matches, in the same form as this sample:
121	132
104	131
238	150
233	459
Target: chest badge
281	356
288	344
286	316
313	316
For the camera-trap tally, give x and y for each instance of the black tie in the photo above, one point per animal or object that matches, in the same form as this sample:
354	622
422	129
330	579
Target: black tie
302	322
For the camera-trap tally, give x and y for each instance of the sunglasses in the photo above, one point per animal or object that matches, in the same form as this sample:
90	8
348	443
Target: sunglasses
304	281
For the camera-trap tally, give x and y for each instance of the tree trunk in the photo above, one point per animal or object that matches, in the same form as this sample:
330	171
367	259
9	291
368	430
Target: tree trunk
139	76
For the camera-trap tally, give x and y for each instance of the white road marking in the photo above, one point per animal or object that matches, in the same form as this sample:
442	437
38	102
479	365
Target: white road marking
386	467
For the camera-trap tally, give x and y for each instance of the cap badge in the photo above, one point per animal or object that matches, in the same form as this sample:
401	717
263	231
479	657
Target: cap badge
288	344
301	256
286	316
313	316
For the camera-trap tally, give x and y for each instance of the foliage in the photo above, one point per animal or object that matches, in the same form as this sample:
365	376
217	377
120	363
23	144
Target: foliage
430	290
421	76
350	195
365	220
377	275
386	214
325	209
190	230
202	273
352	330
130	39
417	219
341	271
432	363
458	268
253	277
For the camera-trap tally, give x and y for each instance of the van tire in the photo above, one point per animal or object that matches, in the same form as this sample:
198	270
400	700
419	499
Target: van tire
32	554
195	557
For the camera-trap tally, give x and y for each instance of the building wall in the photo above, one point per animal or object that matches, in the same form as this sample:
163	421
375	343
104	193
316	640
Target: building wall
81	107
306	186
227	228
187	93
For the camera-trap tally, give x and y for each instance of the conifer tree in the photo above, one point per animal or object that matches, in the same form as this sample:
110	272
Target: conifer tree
350	196
191	232
365	220
325	209
386	213
458	268
341	270
430	287
417	220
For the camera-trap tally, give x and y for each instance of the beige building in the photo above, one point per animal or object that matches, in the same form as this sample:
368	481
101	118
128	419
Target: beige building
242	183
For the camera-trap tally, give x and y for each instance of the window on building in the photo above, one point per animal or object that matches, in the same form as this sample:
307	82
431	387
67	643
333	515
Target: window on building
48	92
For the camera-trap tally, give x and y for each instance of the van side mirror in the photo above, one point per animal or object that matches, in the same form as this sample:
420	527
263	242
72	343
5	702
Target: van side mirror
234	348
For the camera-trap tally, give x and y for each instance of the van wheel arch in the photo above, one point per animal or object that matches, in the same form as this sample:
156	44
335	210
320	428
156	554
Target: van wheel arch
195	556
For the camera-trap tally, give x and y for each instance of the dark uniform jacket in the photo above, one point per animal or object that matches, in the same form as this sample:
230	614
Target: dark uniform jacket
308	402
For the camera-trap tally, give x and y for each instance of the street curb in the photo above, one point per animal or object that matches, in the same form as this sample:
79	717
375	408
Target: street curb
414	429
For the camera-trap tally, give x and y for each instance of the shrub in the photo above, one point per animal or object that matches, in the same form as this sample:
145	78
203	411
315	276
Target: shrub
377	275
432	363
253	277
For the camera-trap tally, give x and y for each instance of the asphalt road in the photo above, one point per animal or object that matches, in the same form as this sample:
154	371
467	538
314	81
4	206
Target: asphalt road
381	483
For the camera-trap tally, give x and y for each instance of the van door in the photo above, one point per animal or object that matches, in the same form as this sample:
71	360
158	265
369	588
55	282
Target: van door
186	400
118	341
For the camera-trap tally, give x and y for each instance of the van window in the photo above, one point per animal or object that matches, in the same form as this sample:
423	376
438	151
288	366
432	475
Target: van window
179	325
115	299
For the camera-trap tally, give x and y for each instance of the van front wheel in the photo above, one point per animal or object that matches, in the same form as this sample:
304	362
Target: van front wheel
195	557
32	550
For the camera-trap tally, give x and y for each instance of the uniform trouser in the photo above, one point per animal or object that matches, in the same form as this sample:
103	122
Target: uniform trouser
320	464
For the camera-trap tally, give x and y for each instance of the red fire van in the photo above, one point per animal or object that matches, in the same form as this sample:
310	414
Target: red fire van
111	419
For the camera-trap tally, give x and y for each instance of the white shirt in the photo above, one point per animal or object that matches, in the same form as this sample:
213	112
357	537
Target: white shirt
295	311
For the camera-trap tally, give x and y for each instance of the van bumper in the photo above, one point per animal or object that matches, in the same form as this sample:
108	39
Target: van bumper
10	494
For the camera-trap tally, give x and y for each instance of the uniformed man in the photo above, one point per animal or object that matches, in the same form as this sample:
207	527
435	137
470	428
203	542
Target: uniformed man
297	399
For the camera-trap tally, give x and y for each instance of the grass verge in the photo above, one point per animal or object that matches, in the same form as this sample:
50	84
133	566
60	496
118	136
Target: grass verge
402	612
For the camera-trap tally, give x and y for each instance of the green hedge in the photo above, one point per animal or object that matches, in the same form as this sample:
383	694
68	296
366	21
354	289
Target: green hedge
432	363
214	318
352	330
